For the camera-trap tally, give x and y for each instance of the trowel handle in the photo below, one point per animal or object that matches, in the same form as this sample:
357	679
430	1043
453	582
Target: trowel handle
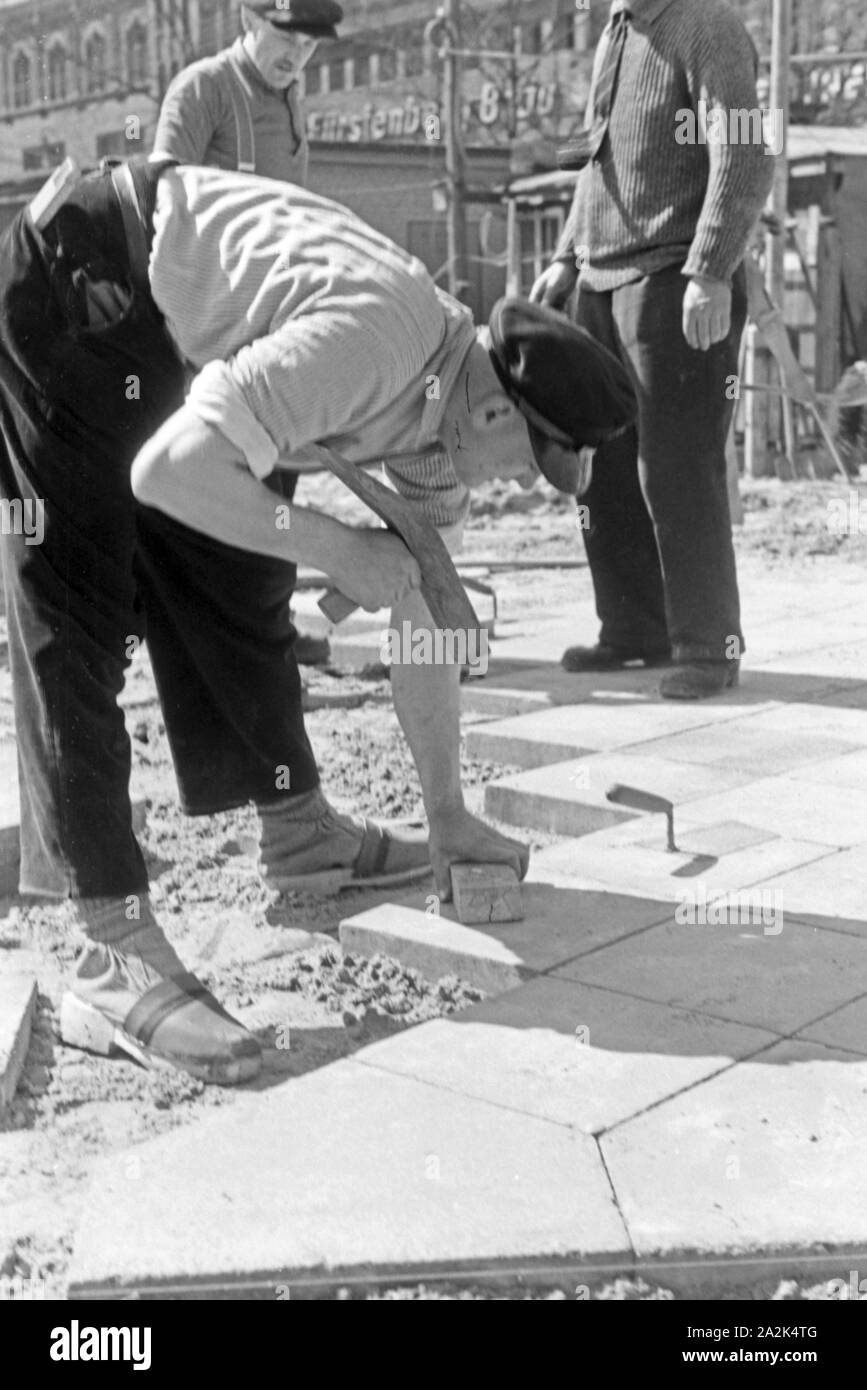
336	606
637	799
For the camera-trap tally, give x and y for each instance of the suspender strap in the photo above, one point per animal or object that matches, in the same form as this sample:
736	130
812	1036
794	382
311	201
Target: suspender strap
246	141
135	184
133	226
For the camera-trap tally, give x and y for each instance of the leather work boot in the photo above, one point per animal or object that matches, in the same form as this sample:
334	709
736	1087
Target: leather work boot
603	657
305	846
133	995
699	680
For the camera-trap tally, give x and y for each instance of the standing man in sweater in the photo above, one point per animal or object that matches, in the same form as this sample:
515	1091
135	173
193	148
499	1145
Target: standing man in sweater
241	110
677	175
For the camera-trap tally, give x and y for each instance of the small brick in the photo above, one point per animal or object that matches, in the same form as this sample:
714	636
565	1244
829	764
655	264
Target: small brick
486	893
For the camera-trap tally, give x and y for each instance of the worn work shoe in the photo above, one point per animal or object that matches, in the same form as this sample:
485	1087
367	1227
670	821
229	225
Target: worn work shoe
699	680
603	657
134	996
308	847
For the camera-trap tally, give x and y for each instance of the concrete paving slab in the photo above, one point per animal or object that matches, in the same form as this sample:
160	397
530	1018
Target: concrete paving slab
17	1011
535	643
490	700
779	982
547	685
850	697
798	810
845	1028
767	1156
560	924
514	689
830	892
568	798
821	623
408	1177
552	736
848	661
434	945
759	685
567	1053
846	770
633	858
795	634
814	719
750	745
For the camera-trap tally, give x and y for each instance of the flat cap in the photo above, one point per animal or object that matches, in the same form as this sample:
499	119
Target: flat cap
573	392
318	18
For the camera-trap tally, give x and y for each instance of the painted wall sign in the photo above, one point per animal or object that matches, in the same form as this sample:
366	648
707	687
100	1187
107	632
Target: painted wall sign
409	119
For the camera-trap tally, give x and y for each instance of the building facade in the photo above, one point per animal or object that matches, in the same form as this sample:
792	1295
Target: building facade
85	77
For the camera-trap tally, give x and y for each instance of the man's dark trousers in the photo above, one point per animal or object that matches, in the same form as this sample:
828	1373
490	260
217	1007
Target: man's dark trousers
76	404
659	538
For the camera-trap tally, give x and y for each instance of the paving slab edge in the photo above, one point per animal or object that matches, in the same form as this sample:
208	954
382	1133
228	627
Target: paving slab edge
690	1274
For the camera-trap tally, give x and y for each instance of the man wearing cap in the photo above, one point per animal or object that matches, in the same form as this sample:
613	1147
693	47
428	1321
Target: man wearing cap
308	333
240	109
660	222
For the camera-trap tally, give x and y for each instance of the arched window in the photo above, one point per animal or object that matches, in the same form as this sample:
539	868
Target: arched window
21	93
94	57
57	72
137	54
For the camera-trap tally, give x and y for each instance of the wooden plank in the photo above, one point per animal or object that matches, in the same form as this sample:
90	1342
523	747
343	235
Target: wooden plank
757	463
829	311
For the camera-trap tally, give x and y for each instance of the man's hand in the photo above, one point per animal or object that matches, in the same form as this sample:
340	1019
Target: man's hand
707	312
374	568
555	284
460	838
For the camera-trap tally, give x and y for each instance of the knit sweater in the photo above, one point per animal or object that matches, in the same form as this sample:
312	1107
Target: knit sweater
651	199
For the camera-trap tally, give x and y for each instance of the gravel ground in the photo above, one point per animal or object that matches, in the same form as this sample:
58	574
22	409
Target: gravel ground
275	961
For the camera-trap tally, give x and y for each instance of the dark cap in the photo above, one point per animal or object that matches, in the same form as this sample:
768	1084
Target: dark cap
572	391
318	18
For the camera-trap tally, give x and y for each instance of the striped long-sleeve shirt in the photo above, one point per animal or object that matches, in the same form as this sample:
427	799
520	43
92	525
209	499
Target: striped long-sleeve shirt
308	330
654	197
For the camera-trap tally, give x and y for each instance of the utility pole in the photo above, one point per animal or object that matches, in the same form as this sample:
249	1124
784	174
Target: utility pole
455	160
778	101
778	202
